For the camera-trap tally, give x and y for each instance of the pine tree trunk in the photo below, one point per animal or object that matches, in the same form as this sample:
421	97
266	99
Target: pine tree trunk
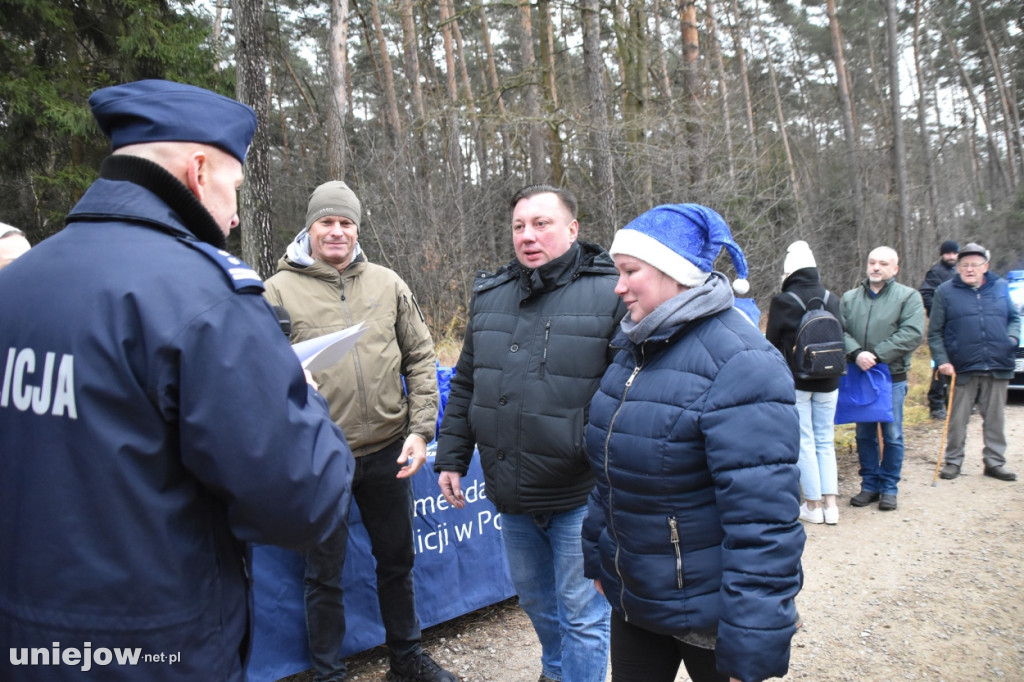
597	108
924	134
391	117
737	33
337	104
899	156
715	48
849	132
538	155
547	55
411	60
693	94
251	87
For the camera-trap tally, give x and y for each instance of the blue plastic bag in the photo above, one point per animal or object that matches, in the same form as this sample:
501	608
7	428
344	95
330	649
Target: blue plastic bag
864	396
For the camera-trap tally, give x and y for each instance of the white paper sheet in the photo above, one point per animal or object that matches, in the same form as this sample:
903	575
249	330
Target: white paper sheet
320	353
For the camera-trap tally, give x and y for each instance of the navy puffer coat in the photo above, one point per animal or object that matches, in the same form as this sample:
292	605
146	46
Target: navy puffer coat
977	330
692	525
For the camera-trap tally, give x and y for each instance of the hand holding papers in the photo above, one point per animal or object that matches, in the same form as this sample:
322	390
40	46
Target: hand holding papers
320	353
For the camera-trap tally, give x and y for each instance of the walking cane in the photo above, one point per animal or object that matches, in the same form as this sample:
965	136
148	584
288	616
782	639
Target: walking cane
881	445
945	427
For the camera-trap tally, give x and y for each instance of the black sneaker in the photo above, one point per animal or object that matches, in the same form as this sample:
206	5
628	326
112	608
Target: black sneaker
887	503
938	414
863	498
1001	473
418	667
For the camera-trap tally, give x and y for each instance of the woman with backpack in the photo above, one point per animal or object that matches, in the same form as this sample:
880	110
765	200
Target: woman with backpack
817	388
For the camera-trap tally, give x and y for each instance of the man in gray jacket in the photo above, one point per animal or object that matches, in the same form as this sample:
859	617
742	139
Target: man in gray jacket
884	323
535	349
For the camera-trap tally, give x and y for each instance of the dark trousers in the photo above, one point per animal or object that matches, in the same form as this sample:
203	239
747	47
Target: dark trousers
640	655
386	506
938	392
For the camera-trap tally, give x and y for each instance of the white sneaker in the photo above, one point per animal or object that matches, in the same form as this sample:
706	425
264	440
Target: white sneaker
811	515
831	515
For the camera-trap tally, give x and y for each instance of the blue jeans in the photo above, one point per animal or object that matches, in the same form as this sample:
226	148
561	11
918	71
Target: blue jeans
545	560
818	473
883	477
386	505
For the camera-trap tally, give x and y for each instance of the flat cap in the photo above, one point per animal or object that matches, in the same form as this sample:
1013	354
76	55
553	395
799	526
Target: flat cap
165	111
973	249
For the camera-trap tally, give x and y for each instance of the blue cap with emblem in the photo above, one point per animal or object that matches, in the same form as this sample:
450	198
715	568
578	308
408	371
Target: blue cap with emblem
165	111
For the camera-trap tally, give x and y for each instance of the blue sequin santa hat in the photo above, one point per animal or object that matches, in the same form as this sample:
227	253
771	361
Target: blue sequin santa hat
683	241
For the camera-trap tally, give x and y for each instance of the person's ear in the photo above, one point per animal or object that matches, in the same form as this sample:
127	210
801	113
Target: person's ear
574	230
197	174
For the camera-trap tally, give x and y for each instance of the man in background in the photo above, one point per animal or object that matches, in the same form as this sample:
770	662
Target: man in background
884	322
973	333
326	284
153	420
12	244
535	349
942	271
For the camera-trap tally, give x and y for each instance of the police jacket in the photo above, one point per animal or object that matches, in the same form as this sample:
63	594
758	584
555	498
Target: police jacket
364	389
153	419
536	346
977	330
937	274
891	325
692	525
784	315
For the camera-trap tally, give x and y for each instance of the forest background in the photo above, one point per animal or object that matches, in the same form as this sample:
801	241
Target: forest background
848	123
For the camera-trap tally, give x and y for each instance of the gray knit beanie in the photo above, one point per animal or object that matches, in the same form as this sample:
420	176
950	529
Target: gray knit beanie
333	198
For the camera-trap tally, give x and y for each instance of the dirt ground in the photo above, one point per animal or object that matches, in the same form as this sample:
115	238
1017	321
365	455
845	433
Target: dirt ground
932	591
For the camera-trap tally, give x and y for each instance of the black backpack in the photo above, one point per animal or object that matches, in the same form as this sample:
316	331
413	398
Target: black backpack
818	351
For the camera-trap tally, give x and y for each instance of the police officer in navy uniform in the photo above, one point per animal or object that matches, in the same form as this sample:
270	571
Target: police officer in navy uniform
153	418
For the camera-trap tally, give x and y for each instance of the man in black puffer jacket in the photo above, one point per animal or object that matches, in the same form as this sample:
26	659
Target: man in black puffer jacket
942	271
536	346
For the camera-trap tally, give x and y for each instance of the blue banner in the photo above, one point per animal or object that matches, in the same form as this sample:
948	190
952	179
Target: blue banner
460	567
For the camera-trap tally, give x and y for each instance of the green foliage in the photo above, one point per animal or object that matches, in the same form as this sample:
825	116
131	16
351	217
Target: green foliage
53	54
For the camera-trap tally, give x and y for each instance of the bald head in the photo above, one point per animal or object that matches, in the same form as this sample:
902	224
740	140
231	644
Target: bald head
210	173
883	264
885	252
12	244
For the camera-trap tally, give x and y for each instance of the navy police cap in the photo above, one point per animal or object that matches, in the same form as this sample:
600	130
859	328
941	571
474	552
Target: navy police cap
165	111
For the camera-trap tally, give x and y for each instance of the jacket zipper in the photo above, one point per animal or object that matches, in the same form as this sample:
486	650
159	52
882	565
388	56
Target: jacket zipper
674	538
611	517
544	356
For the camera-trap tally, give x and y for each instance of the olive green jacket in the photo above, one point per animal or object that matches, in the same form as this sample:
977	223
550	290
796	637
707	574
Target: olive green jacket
890	325
364	389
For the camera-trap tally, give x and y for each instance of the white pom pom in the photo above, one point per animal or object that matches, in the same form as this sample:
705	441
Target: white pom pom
741	286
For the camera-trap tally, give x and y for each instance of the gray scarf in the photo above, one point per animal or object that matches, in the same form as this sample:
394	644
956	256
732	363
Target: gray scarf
714	296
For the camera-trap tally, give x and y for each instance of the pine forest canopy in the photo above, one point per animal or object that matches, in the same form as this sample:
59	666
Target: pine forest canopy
846	123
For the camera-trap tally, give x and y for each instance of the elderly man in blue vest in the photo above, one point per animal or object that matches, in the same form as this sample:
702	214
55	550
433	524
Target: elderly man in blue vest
973	332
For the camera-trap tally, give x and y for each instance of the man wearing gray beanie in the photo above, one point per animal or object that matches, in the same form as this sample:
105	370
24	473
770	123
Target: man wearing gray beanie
326	284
